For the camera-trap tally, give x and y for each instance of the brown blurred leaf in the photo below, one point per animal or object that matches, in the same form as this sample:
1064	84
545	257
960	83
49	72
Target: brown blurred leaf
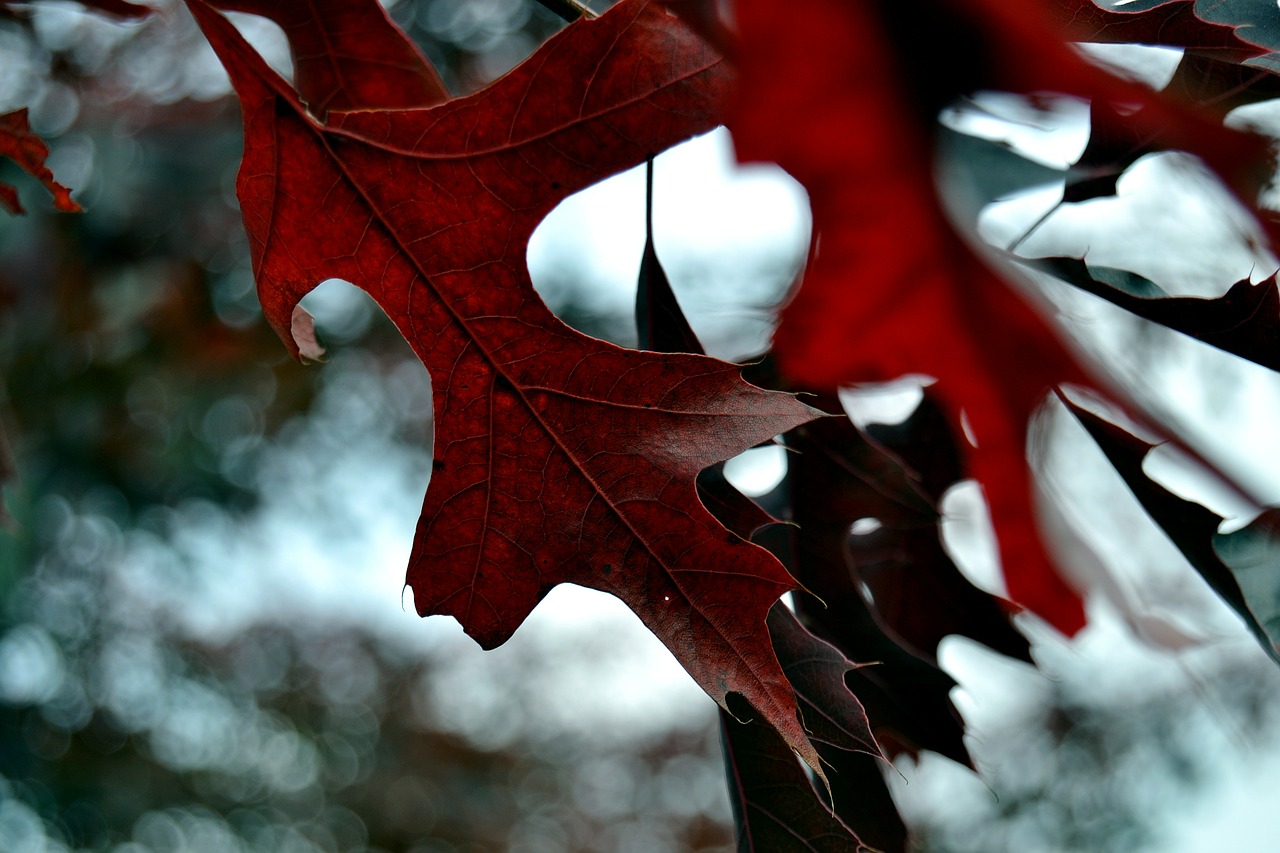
29	151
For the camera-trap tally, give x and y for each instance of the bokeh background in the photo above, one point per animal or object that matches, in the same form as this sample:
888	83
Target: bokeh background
204	640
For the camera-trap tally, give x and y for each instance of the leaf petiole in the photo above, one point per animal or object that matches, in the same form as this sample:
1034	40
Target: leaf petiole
569	10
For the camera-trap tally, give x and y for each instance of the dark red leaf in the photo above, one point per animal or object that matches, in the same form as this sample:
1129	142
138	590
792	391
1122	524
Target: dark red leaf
558	457
1221	86
783	811
863	800
1119	136
775	806
923	445
1244	321
1114	145
893	557
1249	582
915	590
731	507
23	147
905	696
1170	24
1127	119
838	723
816	669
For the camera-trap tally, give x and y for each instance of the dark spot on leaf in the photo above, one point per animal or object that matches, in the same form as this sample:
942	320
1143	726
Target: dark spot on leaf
607	569
437	464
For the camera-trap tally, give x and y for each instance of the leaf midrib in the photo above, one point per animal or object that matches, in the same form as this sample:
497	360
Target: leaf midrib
321	134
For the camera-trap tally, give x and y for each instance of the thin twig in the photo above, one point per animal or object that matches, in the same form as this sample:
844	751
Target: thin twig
648	199
1035	226
569	10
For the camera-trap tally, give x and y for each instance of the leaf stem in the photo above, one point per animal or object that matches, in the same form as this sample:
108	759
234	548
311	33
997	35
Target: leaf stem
1035	226
648	199
569	10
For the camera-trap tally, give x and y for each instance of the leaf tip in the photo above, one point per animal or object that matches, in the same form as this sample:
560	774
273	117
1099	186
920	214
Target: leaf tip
303	328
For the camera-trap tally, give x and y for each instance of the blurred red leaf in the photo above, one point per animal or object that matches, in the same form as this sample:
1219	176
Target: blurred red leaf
892	289
845	96
558	457
29	151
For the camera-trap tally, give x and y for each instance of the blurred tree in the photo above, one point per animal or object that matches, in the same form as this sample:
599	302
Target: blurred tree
141	388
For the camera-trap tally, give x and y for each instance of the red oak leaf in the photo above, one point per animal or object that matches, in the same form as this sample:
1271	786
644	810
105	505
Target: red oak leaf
775	804
1244	321
1238	566
846	479
839	96
558	457
1221	86
23	147
911	585
1170	24
777	808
